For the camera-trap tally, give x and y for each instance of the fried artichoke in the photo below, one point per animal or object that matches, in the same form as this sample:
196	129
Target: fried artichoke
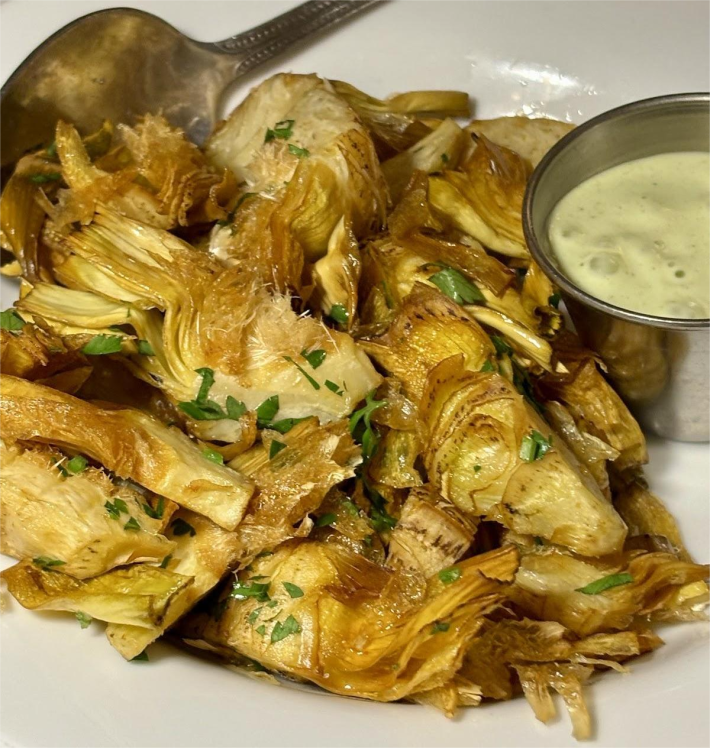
300	399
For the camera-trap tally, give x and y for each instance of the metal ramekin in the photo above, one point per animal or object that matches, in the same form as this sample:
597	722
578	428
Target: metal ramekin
659	365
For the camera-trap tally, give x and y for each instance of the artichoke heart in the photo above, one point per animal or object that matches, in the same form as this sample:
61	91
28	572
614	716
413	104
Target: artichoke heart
477	423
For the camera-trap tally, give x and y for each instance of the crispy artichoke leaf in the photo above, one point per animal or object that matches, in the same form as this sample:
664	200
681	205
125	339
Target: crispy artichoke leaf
138	595
431	534
530	138
130	443
393	122
202	551
333	639
441	149
394	462
548	582
594	405
322	151
428	329
294	482
45	514
477	424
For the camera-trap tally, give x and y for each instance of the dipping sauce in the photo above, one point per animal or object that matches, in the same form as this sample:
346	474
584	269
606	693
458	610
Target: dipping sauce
638	235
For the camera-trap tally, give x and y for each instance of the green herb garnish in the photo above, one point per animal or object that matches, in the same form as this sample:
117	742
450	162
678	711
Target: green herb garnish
314	358
554	300
83	619
286	424
338	313
244	590
261	630
235	408
44	178
501	345
180	527
142	657
44	562
534	446
282	630
166	561
156	513
293	590
11	320
267	410
444	158
282	130
300	152
310	379
275	448
145	348
213	456
447	576
440	627
488	365
101	345
456	286
606	583
77	464
326	519
132	524
333	387
367	436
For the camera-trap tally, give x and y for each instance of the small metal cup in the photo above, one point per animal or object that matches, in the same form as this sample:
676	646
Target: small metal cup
659	365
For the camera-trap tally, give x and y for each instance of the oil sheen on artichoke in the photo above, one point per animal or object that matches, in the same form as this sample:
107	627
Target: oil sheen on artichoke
636	235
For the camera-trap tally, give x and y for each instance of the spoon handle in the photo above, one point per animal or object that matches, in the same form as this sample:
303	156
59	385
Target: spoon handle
262	43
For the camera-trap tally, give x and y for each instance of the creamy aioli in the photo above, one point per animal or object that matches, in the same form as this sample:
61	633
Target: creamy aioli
638	235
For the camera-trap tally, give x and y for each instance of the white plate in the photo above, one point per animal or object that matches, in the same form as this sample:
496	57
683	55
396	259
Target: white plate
62	686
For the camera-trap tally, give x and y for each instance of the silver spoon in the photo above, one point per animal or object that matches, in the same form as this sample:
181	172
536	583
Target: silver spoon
120	63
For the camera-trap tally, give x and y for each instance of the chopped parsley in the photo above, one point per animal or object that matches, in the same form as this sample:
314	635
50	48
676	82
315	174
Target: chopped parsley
51	150
315	358
202	409
145	348
166	561
447	576
293	590
534	446
488	365
261	630
361	428
83	619
282	630
213	455
300	152
53	176
11	320
310	379
244	590
275	448
77	464
326	519
267	410
286	424
606	583
333	387
351	507
254	615
156	513
380	519
554	300
439	627
115	509
44	562
456	286
476	468
101	345
444	158
132	524
501	345
538	541
282	130
142	657
180	527
338	313
235	408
